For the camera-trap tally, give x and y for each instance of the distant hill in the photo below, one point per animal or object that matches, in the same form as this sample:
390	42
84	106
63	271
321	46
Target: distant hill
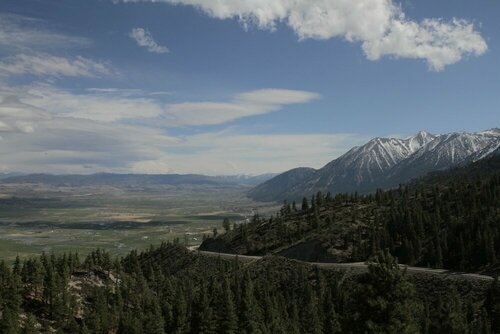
281	185
7	175
136	180
382	163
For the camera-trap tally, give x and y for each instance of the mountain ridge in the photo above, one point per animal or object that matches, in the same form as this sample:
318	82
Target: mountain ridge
385	162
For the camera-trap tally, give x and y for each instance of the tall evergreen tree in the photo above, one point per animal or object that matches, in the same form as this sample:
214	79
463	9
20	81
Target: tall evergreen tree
228	319
250	317
385	301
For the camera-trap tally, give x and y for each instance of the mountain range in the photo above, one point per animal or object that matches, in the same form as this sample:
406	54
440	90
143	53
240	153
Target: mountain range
136	180
382	163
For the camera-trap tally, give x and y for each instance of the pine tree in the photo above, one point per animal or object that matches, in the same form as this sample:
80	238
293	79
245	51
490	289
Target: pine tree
228	320
385	301
31	325
311	318
249	310
202	317
305	205
9	324
453	317
180	316
226	224
332	321
153	320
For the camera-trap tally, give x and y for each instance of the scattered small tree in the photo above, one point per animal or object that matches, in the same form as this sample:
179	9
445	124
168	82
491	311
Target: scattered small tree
226	224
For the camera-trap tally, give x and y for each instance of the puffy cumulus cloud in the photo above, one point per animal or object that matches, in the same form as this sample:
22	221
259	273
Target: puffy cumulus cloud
379	25
48	65
145	40
252	103
440	43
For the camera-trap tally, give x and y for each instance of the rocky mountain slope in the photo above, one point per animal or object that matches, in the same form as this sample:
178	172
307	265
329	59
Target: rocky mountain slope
382	163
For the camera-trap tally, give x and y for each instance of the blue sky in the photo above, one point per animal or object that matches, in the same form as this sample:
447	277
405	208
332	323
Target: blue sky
236	86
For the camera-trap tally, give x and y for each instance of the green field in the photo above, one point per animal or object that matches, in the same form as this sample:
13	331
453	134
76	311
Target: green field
37	218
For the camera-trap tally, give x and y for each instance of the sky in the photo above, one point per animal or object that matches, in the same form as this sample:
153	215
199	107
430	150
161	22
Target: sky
236	86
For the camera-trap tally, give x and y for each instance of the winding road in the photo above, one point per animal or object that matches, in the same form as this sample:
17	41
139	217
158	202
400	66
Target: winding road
361	266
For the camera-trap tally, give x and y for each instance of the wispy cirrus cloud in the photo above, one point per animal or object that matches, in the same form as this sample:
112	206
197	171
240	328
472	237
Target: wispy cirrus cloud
21	33
247	104
28	47
232	152
380	26
47	129
109	107
144	39
52	66
112	105
35	137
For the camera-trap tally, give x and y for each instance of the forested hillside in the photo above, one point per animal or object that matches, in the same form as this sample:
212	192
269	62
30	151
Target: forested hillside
446	220
170	290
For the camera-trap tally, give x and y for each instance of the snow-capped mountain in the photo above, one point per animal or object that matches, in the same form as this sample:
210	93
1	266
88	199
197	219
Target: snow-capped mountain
384	162
366	164
446	151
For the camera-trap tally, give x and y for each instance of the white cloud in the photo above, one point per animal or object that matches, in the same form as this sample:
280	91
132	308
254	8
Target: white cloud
95	106
46	129
48	65
41	140
440	43
16	116
65	145
253	103
145	40
228	152
25	41
21	33
379	25
113	105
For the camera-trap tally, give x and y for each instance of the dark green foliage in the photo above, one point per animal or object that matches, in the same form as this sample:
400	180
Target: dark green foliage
171	290
386	302
31	325
227	318
226	224
451	315
492	305
305	205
